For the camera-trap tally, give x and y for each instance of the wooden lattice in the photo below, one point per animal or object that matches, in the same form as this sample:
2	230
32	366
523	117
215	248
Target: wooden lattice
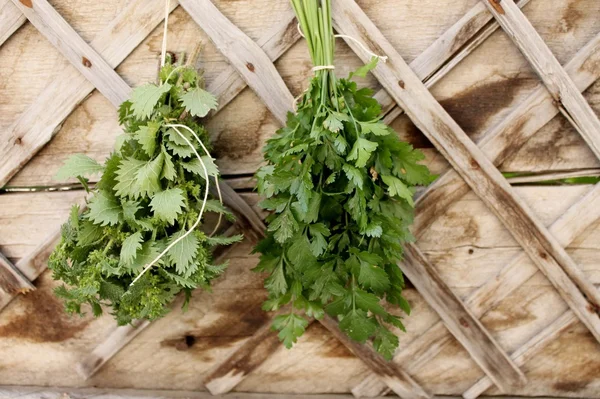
405	90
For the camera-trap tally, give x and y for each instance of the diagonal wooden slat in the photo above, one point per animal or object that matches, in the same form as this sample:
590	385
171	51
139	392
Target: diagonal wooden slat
41	120
481	175
498	143
273	92
11	19
460	321
529	349
562	88
81	55
447	51
11	279
244	55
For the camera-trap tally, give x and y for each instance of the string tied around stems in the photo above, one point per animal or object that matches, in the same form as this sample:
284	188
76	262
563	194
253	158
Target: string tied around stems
316	68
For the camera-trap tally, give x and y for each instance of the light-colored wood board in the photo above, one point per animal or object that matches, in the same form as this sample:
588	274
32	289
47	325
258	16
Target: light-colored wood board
557	81
510	134
11	19
85	59
12	281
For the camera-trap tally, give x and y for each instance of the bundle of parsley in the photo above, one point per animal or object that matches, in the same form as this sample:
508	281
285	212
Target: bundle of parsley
340	184
152	192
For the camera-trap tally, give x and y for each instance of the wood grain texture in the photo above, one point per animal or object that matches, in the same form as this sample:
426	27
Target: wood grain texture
245	55
81	55
229	373
11	19
397	379
577	219
41	120
461	323
561	87
12	281
481	175
503	139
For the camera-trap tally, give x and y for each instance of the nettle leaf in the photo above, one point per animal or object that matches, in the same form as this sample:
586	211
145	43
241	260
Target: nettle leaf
167	204
361	151
131	245
104	209
397	188
127	177
182	254
89	233
199	102
194	166
290	326
168	171
148	176
144	99
78	165
146	136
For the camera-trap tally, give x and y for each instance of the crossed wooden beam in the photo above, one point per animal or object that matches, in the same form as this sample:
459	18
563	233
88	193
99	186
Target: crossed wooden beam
545	247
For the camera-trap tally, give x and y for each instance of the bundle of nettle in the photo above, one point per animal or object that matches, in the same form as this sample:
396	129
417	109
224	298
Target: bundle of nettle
340	184
139	242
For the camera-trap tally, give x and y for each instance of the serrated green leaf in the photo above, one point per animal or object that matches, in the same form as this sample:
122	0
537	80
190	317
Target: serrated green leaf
146	136
358	326
182	254
276	283
144	99
284	226
199	102
376	128
168	171
361	151
385	343
194	166
148	176
131	245
78	165
354	175
127	178
167	204
334	121
397	188
88	233
104	209
290	327
147	254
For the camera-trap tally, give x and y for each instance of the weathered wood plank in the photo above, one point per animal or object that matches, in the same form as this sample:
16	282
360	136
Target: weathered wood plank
244	54
274	43
474	167
566	228
12	281
229	373
11	19
529	350
446	52
397	379
461	323
560	86
42	119
503	139
81	55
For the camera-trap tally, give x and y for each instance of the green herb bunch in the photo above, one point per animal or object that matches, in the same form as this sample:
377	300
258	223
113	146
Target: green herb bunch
340	184
151	192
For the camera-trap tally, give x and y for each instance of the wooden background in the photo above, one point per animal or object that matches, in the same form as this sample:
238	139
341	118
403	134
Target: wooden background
467	245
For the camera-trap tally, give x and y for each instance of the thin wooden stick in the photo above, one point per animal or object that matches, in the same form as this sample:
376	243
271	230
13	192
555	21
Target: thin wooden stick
11	19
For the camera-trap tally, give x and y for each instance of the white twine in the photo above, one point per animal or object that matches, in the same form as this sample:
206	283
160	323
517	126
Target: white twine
175	127
383	58
163	53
